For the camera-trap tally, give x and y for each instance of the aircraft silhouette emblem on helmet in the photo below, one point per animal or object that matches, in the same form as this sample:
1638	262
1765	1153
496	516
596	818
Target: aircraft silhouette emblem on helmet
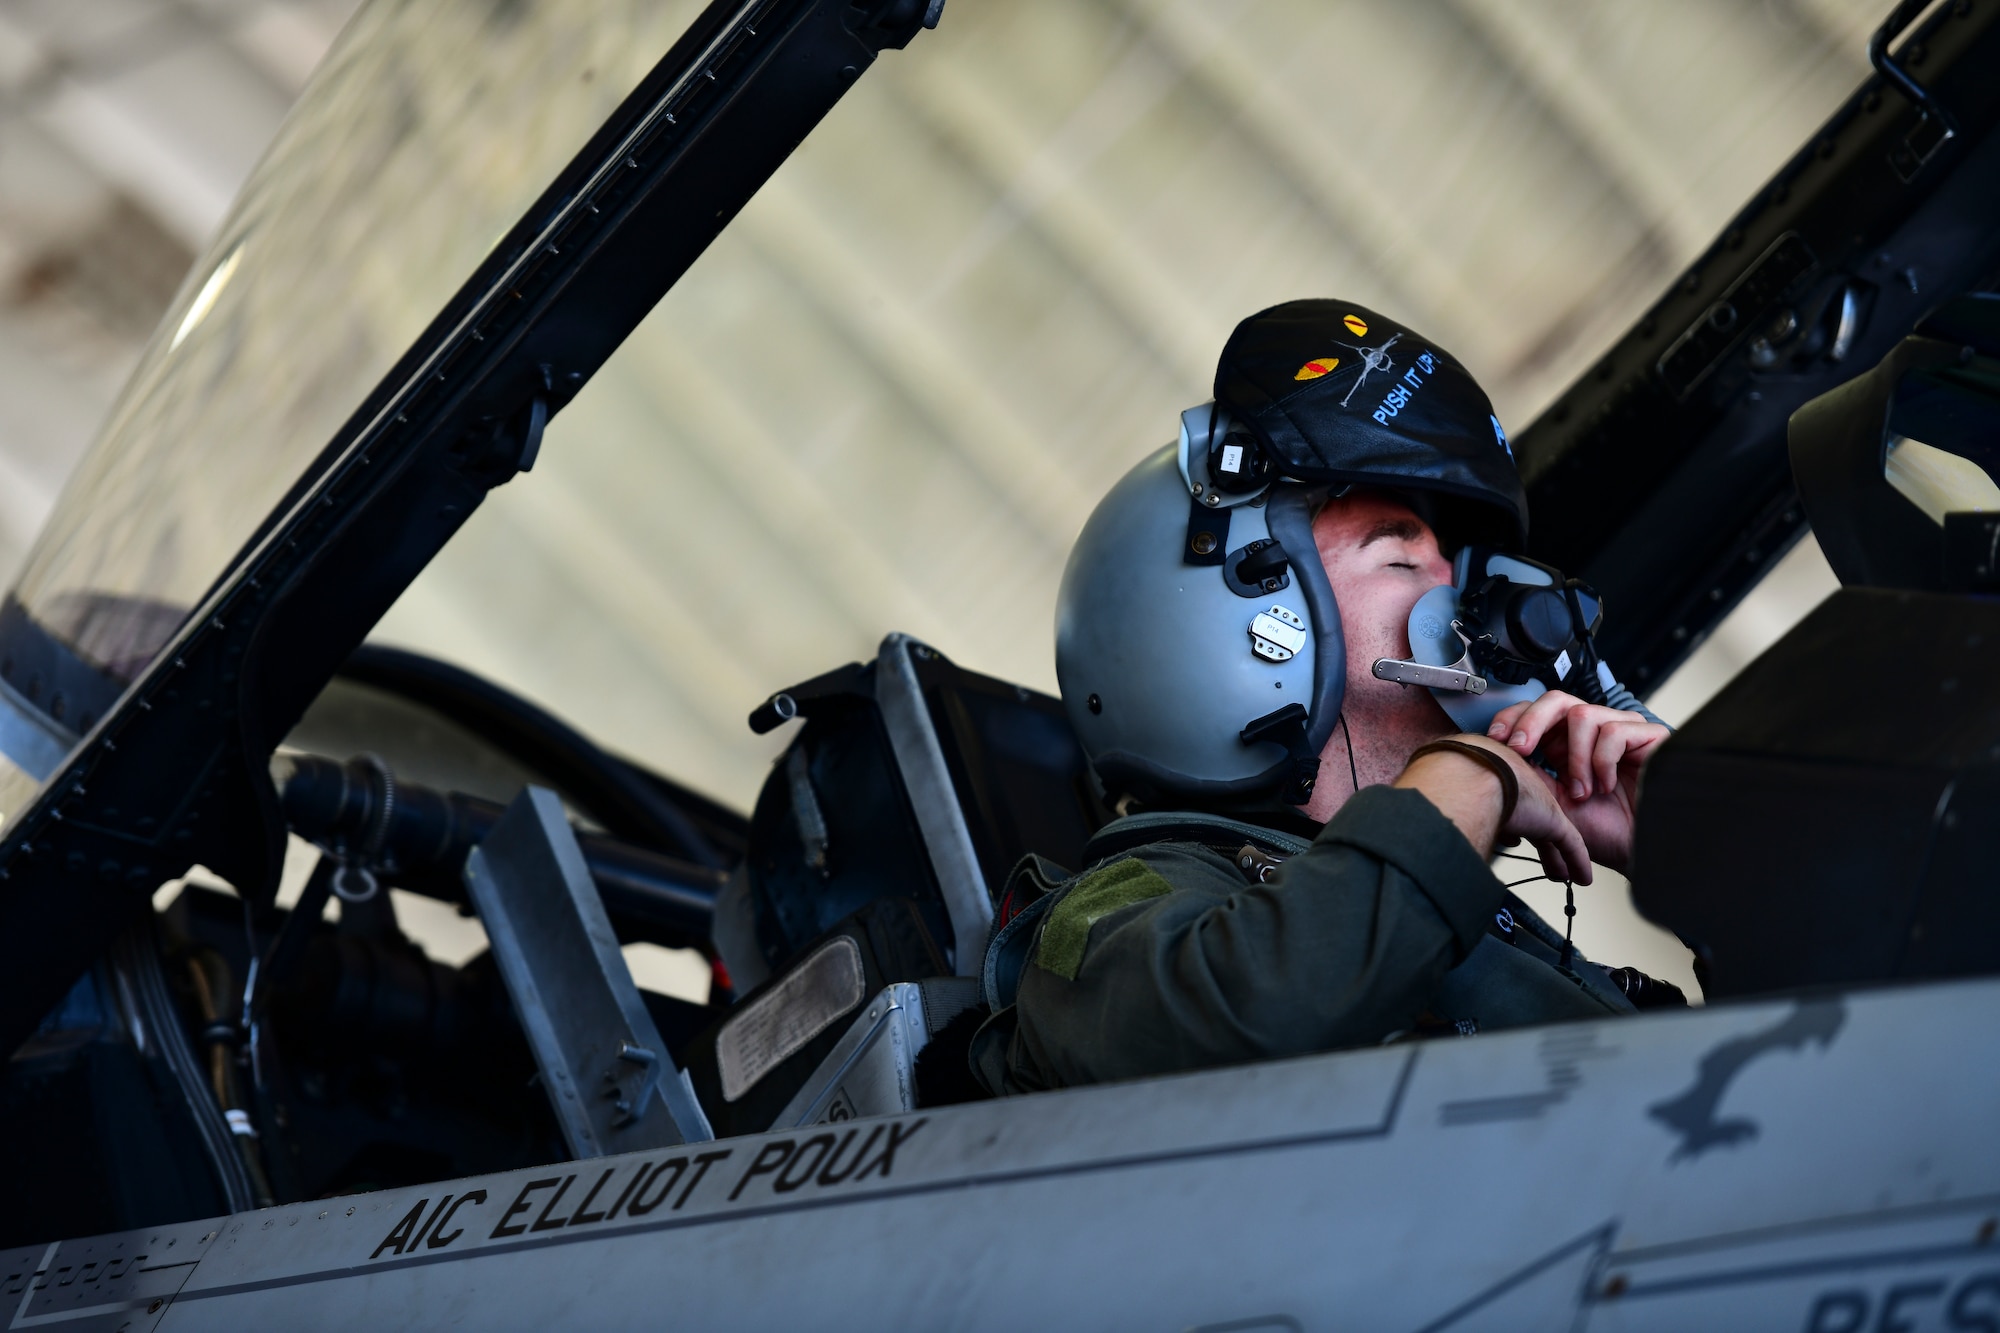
1372	359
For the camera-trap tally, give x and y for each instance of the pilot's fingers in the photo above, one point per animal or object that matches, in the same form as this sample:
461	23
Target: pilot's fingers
1552	863
1575	853
1621	742
1503	721
1579	734
1594	740
1539	818
1564	856
1526	729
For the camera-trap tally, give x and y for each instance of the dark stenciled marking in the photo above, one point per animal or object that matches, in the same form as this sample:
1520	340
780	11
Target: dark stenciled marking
425	1229
882	1163
769	1157
781	1159
648	1187
403	1232
680	1167
433	1232
1974	1304
641	1205
583	1216
804	1162
439	1230
114	1269
543	1223
828	1175
521	1205
826	1158
626	1193
440	1237
702	1161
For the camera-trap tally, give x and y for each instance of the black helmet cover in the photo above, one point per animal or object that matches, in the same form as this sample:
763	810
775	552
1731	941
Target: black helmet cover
1338	394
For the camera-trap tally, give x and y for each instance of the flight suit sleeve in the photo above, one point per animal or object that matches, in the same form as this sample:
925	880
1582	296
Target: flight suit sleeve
1169	962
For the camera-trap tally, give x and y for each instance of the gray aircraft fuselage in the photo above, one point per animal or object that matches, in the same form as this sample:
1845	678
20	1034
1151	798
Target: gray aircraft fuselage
1826	1163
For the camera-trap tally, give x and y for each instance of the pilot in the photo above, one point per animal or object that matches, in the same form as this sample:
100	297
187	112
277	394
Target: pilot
1301	862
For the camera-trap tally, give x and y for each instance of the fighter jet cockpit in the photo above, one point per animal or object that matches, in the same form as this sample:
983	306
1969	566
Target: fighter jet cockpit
243	1092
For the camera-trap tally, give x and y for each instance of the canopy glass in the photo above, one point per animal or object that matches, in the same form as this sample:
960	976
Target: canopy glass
425	135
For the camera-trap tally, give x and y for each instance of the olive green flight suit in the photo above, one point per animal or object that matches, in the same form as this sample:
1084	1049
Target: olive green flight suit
1174	956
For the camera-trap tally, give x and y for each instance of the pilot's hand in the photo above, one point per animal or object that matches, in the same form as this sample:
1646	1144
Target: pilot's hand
1598	753
1468	793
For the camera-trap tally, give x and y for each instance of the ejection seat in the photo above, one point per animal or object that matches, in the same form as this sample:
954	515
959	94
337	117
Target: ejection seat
857	924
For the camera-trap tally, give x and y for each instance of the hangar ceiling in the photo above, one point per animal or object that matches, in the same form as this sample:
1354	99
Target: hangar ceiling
986	286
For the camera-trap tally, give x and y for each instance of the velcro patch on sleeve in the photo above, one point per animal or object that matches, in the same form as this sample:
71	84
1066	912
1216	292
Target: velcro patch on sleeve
1096	896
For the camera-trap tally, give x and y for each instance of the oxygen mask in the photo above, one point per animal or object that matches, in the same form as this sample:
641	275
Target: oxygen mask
1504	631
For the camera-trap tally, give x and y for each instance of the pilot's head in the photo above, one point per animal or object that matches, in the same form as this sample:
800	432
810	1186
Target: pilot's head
1202	661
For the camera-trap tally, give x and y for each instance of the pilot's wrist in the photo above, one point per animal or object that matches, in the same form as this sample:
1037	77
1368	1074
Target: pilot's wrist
1466	788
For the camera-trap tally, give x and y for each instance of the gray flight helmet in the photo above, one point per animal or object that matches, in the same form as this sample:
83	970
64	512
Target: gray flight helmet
1199	664
1185	680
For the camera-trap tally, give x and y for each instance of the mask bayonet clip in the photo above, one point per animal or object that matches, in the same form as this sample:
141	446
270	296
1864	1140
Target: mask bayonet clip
1460	676
1430	677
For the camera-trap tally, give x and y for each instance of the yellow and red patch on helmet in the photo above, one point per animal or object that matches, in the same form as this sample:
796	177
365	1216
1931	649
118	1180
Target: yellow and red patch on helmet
1312	370
1356	325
